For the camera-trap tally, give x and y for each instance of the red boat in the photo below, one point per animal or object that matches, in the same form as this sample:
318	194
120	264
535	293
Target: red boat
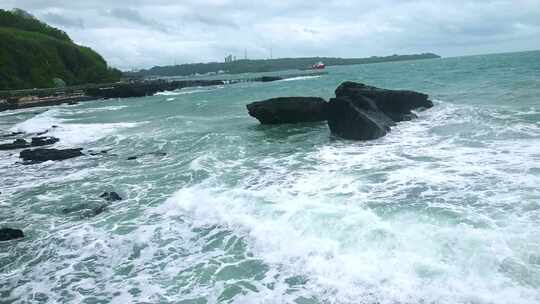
318	66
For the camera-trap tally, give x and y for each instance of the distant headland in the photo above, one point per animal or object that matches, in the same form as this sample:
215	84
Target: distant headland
268	65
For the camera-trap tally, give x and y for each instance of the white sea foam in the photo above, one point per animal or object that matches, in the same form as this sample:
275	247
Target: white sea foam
301	78
96	109
187	91
70	134
413	217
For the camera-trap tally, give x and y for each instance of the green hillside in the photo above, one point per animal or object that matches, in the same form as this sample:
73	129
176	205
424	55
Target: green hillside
35	55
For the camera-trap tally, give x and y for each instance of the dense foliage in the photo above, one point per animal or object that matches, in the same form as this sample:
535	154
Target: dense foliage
35	55
269	65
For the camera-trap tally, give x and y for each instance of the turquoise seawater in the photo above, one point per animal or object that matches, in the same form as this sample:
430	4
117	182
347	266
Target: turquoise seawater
445	209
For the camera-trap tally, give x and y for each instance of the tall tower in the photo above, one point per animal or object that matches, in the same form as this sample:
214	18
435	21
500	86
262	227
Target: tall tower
245	54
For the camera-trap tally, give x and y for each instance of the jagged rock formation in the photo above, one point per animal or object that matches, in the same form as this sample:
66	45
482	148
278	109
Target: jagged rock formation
359	111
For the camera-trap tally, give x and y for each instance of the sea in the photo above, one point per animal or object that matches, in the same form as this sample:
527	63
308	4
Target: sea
217	208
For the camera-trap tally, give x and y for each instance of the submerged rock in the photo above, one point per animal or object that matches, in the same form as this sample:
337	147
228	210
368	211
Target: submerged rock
16	144
289	110
42	155
111	196
102	152
348	121
7	234
86	210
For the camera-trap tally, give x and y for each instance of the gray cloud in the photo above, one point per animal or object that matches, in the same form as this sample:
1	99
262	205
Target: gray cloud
133	16
143	33
62	21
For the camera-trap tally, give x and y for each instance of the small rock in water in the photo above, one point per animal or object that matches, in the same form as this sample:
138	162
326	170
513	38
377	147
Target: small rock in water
7	234
43	141
17	144
43	155
158	153
111	196
94	153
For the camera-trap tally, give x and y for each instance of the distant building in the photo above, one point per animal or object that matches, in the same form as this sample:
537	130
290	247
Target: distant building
229	59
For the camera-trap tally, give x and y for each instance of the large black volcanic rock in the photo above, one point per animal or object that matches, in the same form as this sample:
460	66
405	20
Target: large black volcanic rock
396	104
349	121
359	111
289	110
7	234
42	155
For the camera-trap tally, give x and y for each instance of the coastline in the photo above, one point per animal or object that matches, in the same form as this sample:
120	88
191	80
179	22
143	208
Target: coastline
20	99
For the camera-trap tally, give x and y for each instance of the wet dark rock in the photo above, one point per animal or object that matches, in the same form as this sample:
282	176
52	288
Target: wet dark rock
16	144
348	121
158	153
111	196
270	78
289	110
7	234
359	111
11	134
43	141
396	104
362	112
42	155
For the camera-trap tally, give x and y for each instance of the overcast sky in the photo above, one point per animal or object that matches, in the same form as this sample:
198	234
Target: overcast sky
144	33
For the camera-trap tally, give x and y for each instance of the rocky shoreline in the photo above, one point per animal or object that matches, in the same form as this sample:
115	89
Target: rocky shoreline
13	100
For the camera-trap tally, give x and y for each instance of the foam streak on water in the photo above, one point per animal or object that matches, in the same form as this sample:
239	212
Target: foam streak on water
445	209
